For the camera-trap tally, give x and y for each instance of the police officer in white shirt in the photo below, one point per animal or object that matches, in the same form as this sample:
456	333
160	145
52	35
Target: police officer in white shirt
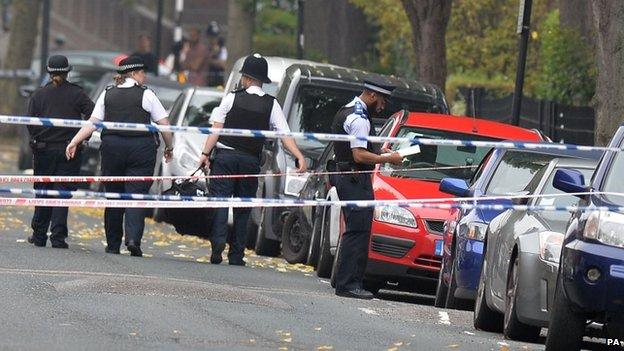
246	108
127	153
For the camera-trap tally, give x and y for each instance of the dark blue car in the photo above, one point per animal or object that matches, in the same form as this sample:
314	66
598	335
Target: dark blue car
503	172
590	282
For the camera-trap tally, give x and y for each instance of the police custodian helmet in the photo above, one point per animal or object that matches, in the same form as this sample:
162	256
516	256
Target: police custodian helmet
58	64
256	67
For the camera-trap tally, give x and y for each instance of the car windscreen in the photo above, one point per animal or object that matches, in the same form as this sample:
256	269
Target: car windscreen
436	162
314	111
199	109
515	171
613	183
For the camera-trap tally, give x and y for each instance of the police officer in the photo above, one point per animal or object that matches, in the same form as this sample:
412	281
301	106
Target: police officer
57	99
246	108
358	155
127	153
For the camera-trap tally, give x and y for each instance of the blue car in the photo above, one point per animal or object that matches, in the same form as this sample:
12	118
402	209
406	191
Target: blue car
590	281
503	172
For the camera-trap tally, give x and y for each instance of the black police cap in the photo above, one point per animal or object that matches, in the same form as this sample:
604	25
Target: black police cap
378	85
256	67
129	64
58	64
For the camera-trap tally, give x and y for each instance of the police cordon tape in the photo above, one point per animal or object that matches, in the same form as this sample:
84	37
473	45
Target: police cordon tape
55	122
88	203
176	201
105	179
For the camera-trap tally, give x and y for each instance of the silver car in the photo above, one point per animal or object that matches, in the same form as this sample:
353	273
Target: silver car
521	259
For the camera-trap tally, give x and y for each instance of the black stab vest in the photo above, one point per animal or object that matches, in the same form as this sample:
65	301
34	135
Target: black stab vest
343	148
249	111
125	105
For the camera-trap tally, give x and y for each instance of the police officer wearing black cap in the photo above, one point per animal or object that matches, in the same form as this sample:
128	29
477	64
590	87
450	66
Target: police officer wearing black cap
127	153
57	99
354	119
246	108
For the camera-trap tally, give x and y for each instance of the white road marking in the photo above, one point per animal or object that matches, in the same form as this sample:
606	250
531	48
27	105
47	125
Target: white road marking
368	311
469	333
444	318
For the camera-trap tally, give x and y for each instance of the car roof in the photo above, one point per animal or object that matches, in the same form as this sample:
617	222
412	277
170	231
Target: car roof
277	65
591	155
469	125
206	91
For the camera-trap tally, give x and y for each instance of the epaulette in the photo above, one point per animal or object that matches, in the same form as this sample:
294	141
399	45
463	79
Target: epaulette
144	87
359	110
109	87
239	90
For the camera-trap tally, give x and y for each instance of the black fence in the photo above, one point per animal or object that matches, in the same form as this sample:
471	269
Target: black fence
561	123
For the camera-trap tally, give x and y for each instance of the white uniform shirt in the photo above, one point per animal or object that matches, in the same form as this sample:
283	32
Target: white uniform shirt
357	125
277	121
150	103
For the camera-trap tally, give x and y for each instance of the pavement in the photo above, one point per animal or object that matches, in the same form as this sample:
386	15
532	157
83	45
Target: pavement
174	299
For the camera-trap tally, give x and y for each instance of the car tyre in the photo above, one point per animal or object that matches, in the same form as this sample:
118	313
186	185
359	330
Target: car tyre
566	326
451	300
484	318
315	239
326	259
265	246
513	328
441	291
295	241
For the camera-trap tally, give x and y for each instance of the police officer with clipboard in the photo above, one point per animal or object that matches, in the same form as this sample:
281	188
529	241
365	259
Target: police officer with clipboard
57	99
354	119
127	153
246	108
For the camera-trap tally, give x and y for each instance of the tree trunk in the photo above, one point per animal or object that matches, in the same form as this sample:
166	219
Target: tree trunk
19	56
241	20
609	25
577	14
428	20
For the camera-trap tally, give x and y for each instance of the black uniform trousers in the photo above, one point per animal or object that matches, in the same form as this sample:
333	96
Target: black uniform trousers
126	156
51	161
228	162
353	253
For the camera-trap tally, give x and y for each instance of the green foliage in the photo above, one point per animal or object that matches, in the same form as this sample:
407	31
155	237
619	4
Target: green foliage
276	29
393	45
567	69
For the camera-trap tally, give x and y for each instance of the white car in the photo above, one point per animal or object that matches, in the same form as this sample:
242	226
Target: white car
192	108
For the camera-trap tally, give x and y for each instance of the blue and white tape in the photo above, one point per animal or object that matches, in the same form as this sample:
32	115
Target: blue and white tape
169	201
52	122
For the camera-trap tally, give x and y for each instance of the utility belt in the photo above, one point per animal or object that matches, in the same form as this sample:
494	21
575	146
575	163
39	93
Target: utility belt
352	166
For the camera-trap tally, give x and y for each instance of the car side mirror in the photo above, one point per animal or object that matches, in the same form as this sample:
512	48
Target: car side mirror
454	186
570	181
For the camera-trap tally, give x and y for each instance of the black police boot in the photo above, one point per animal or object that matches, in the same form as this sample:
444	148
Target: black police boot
134	248
39	242
356	294
111	250
236	262
60	244
217	250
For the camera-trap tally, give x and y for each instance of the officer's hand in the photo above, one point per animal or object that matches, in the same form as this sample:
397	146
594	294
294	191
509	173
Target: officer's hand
301	165
70	151
204	163
395	158
168	154
385	150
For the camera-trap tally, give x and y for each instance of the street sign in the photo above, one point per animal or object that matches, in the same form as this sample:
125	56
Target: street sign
521	11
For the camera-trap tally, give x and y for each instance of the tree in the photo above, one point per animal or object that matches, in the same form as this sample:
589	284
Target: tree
428	20
241	22
609	24
577	14
19	55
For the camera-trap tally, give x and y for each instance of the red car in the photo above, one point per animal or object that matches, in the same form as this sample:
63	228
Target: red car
406	243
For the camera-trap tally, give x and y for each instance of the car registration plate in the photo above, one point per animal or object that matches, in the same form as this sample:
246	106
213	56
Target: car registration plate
438	247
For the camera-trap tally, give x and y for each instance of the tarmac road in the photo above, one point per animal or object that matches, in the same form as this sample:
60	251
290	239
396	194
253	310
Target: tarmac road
173	299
